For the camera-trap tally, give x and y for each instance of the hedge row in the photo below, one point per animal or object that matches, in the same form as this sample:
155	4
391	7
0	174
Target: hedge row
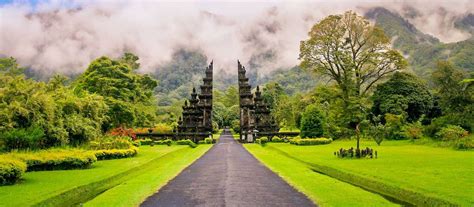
207	141
115	153
186	142
11	170
55	159
307	141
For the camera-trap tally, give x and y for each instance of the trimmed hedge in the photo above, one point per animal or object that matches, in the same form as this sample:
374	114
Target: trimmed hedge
262	141
164	142
315	141
277	139
55	159
207	141
115	153
146	141
112	142
11	170
186	142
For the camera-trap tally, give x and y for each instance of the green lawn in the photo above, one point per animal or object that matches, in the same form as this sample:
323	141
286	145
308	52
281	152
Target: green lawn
321	189
439	173
54	187
136	190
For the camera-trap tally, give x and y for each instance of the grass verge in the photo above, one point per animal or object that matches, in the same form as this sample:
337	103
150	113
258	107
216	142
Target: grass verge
321	189
136	190
36	187
415	174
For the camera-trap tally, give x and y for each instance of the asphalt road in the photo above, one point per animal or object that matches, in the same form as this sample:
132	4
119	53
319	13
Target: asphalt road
227	175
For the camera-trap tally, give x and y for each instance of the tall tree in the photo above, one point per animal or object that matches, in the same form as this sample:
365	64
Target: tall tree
350	51
403	94
353	53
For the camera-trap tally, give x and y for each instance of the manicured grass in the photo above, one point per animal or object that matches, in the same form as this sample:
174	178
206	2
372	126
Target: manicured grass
438	173
136	190
321	189
40	186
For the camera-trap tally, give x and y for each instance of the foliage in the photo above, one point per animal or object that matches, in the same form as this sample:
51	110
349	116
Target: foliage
29	138
277	139
122	132
163	128
111	142
128	94
107	154
394	124
312	122
54	159
451	132
311	141
262	141
209	141
236	126
403	94
456	97
167	142
11	170
186	142
350	51
413	130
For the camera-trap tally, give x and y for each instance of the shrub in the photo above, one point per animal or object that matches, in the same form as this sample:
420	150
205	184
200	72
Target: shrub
308	141
262	141
312	122
11	170
146	141
163	128
111	142
55	159
413	131
29	138
451	132
186	142
394	124
277	139
209	141
465	143
163	142
115	153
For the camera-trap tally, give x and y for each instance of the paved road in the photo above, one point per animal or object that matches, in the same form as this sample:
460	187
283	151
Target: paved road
227	175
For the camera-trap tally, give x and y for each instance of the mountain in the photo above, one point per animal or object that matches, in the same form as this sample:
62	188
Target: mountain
422	50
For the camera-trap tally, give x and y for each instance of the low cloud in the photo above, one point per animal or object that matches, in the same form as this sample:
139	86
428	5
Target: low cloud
64	36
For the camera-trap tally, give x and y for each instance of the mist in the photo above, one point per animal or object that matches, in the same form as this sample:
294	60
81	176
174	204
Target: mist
65	36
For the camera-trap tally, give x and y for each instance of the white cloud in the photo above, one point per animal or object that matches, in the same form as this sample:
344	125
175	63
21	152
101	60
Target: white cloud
55	36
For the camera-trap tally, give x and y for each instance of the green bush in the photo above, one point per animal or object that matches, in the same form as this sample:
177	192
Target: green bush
54	159
308	141
413	130
277	139
163	142
262	141
451	132
115	153
11	170
186	142
29	138
209	141
465	143
312	122
111	142
146	141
